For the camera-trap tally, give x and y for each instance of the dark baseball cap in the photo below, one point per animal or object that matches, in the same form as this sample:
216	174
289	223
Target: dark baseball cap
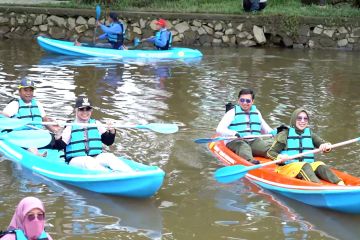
82	102
24	83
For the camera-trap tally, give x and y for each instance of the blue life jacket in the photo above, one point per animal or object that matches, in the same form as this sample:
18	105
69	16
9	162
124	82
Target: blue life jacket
240	122
29	112
81	146
159	34
299	143
116	39
21	236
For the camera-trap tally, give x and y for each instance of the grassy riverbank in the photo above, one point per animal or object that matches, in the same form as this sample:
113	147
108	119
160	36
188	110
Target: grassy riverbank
275	7
283	7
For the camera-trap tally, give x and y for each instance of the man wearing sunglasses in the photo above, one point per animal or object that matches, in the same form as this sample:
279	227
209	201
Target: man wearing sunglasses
83	144
244	120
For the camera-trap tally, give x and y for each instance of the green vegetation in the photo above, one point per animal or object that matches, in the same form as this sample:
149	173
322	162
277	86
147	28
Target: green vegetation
275	7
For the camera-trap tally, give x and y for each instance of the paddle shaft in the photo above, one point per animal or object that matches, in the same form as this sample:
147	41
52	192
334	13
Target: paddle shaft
165	128
88	124
209	140
301	154
97	16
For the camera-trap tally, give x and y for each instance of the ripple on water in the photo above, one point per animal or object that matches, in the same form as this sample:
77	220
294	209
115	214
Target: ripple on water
192	95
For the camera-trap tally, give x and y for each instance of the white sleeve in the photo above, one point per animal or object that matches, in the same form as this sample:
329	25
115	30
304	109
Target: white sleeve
41	109
11	109
66	135
265	128
100	128
223	127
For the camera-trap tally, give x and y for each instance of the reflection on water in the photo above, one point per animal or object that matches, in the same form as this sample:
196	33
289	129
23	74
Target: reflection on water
245	197
190	205
88	213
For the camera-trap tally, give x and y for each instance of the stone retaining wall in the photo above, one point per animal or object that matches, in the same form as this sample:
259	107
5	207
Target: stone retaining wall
188	29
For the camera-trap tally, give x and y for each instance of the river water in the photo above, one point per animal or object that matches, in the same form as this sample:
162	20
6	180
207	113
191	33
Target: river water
190	204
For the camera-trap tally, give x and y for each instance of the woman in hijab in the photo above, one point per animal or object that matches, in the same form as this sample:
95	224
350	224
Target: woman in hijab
28	221
296	139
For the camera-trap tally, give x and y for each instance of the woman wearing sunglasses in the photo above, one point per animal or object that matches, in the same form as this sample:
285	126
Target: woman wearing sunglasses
299	138
243	120
28	221
83	144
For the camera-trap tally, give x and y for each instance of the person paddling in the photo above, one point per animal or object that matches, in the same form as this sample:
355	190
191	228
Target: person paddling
83	145
243	120
296	139
163	38
28	221
114	33
27	107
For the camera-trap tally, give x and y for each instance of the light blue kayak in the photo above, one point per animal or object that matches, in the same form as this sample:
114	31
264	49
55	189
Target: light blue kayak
144	182
68	48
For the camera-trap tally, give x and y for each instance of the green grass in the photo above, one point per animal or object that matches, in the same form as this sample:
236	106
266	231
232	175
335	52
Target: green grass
275	7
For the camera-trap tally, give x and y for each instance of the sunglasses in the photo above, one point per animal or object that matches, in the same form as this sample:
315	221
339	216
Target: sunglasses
85	109
305	119
40	217
242	100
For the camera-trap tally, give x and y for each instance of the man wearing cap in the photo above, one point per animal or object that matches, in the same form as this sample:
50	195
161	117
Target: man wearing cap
26	106
114	33
163	38
83	144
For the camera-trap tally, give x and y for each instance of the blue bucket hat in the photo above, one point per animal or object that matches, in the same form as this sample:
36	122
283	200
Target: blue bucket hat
24	83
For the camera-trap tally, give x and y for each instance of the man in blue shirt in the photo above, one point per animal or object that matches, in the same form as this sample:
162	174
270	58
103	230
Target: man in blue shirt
163	38
114	33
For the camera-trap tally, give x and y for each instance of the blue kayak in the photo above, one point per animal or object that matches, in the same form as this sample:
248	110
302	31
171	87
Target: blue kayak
68	48
143	182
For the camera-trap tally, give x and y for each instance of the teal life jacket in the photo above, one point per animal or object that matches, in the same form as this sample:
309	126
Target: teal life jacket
299	143
240	122
80	145
159	34
21	236
116	39
29	112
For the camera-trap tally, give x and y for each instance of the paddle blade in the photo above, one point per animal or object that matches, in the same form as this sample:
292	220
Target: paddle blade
12	123
98	12
28	138
230	173
165	128
137	41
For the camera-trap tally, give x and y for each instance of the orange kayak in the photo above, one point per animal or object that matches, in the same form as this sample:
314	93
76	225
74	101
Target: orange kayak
324	194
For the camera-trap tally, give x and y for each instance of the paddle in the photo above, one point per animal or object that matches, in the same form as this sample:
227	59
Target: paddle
97	17
165	128
28	138
137	41
232	173
209	140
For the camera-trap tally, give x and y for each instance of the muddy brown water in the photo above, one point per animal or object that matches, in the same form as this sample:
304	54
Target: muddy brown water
190	204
